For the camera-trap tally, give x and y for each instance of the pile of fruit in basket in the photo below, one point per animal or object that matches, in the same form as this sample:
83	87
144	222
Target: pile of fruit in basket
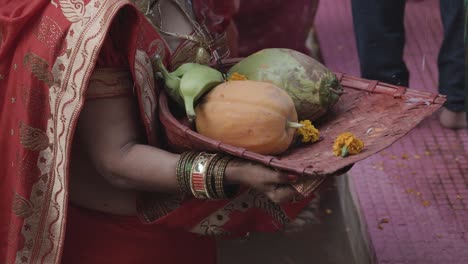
266	105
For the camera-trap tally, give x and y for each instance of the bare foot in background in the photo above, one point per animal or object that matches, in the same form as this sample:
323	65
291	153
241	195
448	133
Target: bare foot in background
452	120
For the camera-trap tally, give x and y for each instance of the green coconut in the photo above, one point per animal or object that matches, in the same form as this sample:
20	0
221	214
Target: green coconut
313	87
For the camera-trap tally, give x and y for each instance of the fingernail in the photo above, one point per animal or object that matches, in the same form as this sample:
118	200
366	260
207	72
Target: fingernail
292	177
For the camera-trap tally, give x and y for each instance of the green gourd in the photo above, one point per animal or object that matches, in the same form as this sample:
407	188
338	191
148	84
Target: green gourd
313	88
188	83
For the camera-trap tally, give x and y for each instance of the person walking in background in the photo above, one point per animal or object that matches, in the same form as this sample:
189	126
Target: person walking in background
466	57
380	37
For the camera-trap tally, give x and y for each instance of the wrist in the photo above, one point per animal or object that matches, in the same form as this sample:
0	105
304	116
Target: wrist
234	173
206	176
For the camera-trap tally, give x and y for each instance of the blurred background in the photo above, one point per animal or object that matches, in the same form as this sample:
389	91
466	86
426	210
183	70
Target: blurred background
407	204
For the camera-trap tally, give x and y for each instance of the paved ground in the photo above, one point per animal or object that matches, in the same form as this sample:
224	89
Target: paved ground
323	242
413	197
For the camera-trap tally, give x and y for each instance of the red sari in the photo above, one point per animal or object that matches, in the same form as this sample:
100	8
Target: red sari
274	24
48	53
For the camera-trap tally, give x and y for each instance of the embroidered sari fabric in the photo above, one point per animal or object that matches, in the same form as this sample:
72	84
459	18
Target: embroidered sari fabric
48	54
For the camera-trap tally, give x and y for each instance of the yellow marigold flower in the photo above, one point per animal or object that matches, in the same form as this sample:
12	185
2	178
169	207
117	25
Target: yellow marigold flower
308	132
347	144
237	77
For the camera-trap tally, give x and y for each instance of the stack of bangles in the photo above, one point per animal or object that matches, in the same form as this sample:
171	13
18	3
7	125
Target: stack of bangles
202	174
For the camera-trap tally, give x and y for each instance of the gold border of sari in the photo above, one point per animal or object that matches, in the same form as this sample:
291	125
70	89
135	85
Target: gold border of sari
43	230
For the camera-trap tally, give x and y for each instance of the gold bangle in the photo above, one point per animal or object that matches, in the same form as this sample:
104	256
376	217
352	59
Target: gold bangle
180	171
219	176
187	172
210	184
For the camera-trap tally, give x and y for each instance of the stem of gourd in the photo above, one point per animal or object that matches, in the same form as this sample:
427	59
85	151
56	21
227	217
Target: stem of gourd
344	151
189	109
172	82
336	91
290	124
161	67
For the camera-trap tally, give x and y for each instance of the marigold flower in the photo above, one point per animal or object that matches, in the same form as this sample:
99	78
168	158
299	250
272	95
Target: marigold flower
308	132
347	144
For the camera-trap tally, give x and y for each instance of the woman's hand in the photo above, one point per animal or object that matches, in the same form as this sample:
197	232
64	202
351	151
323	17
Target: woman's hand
274	184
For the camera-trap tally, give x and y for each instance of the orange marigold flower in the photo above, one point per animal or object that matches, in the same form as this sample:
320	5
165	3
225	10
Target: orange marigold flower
347	144
308	132
237	77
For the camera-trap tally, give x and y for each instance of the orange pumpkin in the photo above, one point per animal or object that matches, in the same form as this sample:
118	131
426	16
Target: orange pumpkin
257	116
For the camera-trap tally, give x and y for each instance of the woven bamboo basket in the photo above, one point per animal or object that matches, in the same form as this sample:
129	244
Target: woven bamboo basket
377	113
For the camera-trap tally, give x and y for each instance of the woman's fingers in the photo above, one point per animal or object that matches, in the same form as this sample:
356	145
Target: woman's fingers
280	177
281	194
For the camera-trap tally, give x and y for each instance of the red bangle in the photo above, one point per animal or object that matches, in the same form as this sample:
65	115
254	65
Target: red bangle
198	177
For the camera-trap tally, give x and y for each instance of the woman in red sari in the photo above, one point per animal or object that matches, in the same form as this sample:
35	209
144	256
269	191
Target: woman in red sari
86	177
